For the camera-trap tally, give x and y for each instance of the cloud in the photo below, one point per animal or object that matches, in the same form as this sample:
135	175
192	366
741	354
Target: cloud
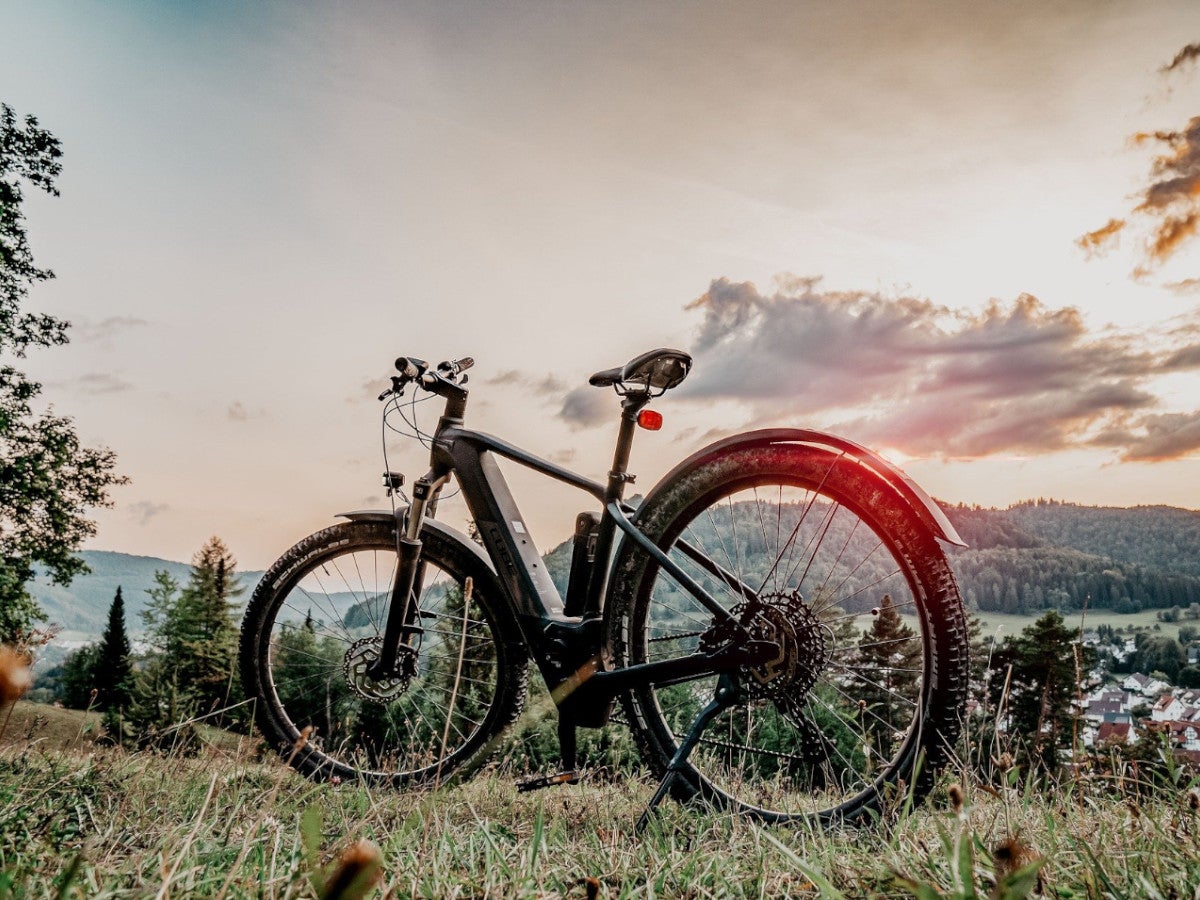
1095	242
87	331
581	407
143	511
1186	55
542	385
1165	437
587	406
1170	203
1185	287
1014	377
94	384
237	412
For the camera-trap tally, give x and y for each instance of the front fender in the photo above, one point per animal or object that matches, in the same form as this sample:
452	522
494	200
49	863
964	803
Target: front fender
445	531
922	504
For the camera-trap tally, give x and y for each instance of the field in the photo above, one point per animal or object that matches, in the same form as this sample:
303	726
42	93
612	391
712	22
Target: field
94	821
1003	625
1010	624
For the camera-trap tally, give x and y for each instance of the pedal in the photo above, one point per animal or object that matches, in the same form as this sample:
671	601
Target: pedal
544	781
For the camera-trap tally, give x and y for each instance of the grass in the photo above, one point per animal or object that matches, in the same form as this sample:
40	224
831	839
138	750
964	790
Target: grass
88	820
1003	625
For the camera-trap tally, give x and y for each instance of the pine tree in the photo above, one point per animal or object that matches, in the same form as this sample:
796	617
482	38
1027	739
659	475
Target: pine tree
1042	686
194	635
209	629
113	673
888	668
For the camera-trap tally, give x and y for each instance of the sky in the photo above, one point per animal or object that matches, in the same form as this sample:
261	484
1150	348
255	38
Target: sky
929	226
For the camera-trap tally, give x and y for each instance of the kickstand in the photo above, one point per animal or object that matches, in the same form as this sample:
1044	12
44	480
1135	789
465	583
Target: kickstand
725	696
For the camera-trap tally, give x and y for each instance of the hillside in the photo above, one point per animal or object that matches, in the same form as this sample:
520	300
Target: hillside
1022	559
1038	555
82	606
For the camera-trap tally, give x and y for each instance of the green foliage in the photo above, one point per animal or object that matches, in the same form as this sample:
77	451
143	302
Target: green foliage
76	686
131	824
113	674
1159	653
1037	556
192	631
887	671
1188	677
1039	668
48	480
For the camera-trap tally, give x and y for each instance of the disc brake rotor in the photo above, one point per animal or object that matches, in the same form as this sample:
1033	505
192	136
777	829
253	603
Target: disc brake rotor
359	658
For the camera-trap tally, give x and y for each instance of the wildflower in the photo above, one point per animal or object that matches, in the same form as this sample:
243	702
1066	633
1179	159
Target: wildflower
955	794
15	677
356	872
1011	855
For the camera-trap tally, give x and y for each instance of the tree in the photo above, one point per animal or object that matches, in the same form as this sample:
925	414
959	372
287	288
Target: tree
206	666
75	687
195	634
1160	653
47	479
113	673
889	664
1042	686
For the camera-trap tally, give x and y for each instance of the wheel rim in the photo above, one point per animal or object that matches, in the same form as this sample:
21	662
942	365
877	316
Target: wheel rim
841	716
326	625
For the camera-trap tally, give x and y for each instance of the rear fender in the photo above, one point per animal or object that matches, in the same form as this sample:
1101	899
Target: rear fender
929	513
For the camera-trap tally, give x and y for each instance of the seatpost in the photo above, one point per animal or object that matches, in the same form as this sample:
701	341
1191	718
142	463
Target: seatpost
618	477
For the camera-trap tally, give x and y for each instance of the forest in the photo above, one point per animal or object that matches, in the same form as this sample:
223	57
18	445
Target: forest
1045	554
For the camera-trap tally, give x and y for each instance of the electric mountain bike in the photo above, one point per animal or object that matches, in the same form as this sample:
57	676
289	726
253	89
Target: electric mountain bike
776	617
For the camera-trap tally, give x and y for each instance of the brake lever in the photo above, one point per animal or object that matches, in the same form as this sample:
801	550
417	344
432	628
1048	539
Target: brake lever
396	388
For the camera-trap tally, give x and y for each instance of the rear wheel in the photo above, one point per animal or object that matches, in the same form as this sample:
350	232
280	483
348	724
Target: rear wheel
819	556
314	626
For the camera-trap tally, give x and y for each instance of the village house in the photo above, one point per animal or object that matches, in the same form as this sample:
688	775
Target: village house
1115	733
1166	709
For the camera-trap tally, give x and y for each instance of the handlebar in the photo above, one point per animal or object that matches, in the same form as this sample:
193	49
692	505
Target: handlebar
444	374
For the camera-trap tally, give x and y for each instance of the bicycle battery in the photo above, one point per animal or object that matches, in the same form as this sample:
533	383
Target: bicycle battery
583	557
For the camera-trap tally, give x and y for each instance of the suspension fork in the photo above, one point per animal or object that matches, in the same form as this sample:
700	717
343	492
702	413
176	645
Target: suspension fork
401	626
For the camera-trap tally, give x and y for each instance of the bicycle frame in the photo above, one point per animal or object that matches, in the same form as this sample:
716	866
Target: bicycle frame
566	648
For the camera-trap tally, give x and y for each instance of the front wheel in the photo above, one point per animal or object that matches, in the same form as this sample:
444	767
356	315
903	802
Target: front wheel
314	625
813	552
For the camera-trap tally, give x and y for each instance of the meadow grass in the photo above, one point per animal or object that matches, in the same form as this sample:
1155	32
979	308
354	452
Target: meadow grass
88	820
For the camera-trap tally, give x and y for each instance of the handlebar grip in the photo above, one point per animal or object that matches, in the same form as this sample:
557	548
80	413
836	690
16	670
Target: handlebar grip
456	366
410	367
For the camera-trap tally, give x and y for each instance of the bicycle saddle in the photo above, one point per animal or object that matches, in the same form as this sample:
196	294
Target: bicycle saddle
657	370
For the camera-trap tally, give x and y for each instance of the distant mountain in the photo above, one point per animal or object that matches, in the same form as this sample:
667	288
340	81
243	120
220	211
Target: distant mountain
1043	554
82	606
1160	537
1031	556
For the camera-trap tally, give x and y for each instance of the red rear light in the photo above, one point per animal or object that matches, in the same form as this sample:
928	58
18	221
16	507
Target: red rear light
650	419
